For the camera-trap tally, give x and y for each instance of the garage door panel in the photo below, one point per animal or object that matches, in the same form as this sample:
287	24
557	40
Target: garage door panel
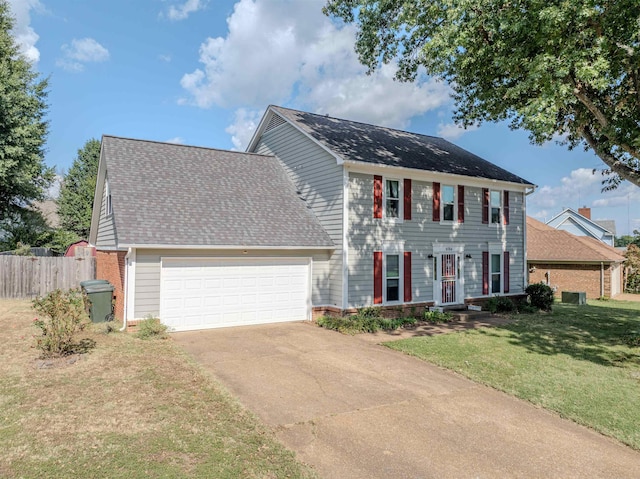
208	293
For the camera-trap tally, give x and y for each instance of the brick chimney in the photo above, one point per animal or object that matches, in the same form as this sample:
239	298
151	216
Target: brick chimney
584	211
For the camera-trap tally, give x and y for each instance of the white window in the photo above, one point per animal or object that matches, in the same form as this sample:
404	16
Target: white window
108	207
496	273
392	278
392	197
448	203
495	207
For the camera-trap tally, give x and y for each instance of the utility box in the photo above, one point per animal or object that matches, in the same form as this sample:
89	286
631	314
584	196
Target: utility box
574	297
99	295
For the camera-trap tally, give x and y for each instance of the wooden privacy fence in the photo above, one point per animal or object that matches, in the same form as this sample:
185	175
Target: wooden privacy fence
30	276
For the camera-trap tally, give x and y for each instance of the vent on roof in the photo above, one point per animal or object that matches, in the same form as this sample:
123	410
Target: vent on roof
274	122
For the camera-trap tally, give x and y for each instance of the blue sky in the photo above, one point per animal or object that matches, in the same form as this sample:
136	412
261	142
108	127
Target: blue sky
202	72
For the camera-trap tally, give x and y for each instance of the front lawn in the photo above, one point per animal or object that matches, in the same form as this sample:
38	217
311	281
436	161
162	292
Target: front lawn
128	409
580	361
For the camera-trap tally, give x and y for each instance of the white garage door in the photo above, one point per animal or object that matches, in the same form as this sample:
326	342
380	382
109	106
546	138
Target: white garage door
214	293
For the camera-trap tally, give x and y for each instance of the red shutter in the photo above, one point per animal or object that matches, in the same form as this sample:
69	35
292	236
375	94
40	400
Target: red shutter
485	206
505	217
506	271
407	199
377	277
460	204
377	196
407	276
436	202
485	272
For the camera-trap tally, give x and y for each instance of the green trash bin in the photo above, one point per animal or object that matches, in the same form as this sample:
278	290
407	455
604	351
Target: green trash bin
100	300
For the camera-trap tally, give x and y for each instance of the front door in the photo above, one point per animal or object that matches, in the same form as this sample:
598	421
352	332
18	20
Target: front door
447	284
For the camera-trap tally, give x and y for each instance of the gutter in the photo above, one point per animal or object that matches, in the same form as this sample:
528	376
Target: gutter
126	288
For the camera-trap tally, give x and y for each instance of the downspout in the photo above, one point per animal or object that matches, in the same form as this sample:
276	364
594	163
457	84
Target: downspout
525	276
601	279
126	289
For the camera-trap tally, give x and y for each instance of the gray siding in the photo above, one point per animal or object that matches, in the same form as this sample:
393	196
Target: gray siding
318	177
106	237
367	235
148	266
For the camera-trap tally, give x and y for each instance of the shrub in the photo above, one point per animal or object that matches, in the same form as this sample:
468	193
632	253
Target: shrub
359	323
540	295
66	316
151	328
437	317
500	304
526	308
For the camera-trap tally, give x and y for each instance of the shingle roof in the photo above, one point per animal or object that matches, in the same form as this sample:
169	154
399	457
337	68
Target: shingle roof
609	225
545	243
167	194
354	141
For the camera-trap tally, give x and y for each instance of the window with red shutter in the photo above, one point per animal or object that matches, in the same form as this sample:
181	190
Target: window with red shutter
407	199
407	276
485	272
460	204
505	204
485	206
506	272
377	277
377	196
436	202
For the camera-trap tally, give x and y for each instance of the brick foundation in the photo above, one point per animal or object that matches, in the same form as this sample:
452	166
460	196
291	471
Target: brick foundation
398	311
110	265
572	277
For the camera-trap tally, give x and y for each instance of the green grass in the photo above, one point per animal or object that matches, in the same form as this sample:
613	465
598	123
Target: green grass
576	361
129	409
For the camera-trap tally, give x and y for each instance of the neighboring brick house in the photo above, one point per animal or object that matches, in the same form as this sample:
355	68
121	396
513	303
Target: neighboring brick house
320	215
568	262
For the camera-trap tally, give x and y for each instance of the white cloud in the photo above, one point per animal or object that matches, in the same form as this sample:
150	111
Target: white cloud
244	125
177	140
24	35
165	58
283	52
574	190
182	11
451	131
625	195
84	50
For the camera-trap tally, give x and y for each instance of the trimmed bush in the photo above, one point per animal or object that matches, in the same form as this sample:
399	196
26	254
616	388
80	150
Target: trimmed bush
151	328
500	304
65	316
363	322
437	317
540	296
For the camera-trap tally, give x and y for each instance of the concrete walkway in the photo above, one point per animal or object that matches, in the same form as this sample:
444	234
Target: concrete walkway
353	409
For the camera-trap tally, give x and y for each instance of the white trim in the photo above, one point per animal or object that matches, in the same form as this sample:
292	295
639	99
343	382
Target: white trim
307	260
454	221
97	197
501	216
400	255
130	284
345	238
226	247
448	248
497	249
400	217
264	122
433	176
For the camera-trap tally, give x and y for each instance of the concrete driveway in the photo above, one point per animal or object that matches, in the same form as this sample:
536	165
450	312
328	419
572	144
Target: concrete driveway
353	409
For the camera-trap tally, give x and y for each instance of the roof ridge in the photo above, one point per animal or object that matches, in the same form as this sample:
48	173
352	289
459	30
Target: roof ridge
360	123
209	148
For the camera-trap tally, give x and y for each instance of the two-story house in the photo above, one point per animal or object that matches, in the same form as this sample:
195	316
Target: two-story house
320	215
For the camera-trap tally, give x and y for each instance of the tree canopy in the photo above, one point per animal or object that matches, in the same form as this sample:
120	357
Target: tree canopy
24	176
76	195
557	68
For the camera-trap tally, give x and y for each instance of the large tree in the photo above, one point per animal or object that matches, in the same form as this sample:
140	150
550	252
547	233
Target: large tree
78	186
24	176
557	68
